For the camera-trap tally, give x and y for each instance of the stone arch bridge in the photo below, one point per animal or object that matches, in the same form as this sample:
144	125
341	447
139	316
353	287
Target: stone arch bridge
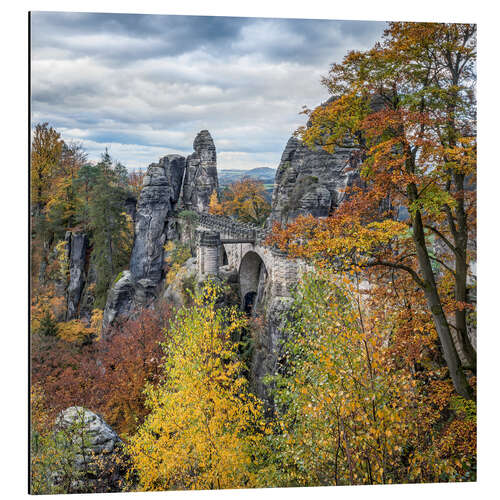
224	245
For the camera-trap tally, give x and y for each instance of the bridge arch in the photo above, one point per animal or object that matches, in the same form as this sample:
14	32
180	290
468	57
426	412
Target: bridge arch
253	277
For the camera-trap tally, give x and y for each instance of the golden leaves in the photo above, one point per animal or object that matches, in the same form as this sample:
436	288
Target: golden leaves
203	424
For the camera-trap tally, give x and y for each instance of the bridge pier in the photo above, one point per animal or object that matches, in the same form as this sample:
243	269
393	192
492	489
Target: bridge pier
208	253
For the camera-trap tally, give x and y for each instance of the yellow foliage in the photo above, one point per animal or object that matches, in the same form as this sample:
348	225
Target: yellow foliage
215	207
46	305
203	423
175	257
76	330
243	199
351	414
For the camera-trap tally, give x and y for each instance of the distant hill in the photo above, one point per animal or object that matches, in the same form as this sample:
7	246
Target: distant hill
264	174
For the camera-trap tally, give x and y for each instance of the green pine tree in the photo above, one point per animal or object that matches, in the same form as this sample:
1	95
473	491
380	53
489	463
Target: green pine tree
111	234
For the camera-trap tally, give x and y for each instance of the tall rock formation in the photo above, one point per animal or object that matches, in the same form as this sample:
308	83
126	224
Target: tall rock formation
174	183
76	248
201	174
311	181
161	187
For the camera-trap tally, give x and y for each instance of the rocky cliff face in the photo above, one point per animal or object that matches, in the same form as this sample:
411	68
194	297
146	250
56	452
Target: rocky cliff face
201	174
311	181
174	183
161	187
76	248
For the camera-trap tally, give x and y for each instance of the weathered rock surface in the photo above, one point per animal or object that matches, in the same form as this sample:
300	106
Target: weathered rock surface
174	294
99	437
201	174
173	184
311	181
120	299
161	187
77	244
267	345
130	206
93	448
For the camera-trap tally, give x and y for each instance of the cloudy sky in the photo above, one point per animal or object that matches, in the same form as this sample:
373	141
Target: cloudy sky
144	85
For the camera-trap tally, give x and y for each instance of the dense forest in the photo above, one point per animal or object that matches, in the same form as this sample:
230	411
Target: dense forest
376	382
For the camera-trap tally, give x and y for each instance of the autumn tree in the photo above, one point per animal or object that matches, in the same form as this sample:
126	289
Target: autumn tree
349	411
46	147
203	423
135	181
245	200
407	107
215	206
63	200
106	375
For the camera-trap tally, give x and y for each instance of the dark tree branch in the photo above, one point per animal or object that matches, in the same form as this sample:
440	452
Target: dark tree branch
442	236
395	265
442	263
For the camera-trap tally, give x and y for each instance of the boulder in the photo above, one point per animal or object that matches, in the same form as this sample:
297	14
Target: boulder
98	436
92	451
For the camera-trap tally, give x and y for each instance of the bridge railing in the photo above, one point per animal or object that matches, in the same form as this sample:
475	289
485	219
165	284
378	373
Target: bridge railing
235	229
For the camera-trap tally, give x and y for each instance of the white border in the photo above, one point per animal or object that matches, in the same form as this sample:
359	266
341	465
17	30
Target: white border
14	223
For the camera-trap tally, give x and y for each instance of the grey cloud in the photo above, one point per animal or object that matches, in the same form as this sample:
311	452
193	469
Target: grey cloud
152	82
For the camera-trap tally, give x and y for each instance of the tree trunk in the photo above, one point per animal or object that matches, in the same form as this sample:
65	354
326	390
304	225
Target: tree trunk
434	302
461	239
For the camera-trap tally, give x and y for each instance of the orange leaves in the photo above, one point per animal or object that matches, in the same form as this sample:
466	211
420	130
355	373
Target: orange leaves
106	376
135	179
243	199
337	237
341	398
331	123
462	157
74	331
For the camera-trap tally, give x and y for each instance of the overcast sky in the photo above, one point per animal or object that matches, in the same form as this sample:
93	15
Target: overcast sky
145	85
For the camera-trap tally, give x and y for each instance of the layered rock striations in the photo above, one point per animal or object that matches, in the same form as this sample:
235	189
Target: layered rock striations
161	187
201	174
173	184
311	181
